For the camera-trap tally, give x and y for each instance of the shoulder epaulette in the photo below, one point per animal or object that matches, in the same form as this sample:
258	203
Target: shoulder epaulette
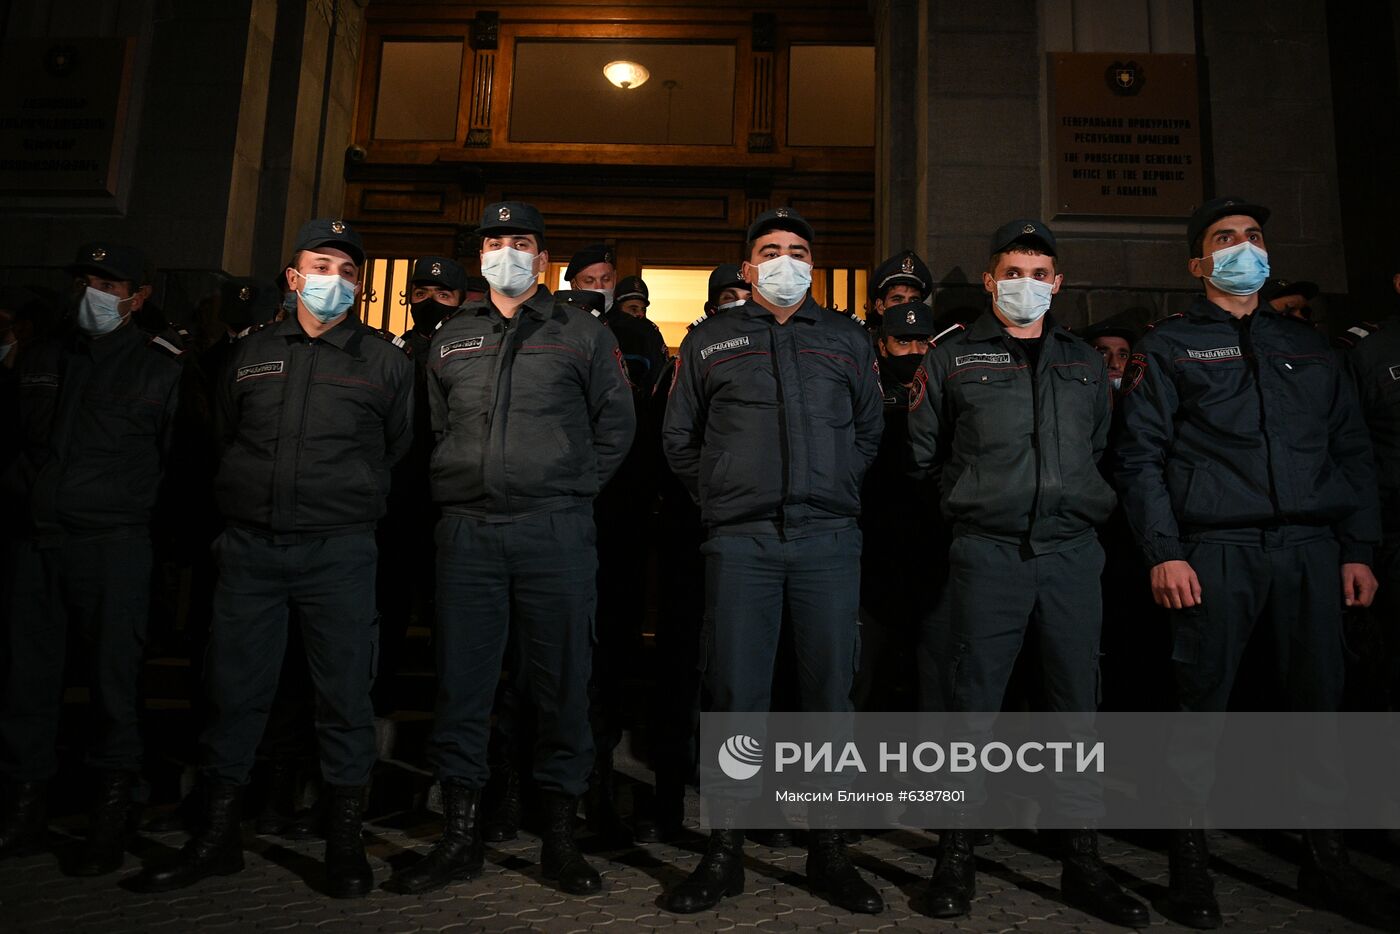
952	329
391	338
253	329
445	318
167	347
854	317
697	322
1179	314
1356	334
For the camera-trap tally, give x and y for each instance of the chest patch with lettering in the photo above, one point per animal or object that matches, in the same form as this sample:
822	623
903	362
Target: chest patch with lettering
252	370
970	358
1215	353
39	379
461	346
724	345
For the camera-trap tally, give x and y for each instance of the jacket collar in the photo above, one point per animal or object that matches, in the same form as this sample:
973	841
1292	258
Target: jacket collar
338	336
1203	307
540	305
989	327
809	310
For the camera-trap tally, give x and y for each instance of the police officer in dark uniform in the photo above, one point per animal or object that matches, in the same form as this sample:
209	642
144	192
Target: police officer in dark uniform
314	410
594	269
532	412
1289	297
437	286
1011	416
681	578
1246	471
1374	356
771	424
904	277
96	418
632	297
902	561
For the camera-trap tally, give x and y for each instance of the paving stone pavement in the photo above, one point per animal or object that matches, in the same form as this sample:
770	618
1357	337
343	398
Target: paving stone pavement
278	890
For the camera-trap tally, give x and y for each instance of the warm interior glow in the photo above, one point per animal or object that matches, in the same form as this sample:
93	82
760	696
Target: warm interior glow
626	75
678	296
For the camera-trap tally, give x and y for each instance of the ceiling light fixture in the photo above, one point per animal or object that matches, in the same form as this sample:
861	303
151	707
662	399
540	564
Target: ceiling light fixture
626	75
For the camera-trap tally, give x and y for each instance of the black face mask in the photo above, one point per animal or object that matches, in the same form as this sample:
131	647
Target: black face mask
902	368
427	313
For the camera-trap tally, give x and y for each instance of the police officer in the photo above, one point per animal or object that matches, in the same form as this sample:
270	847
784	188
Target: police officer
1012	415
314	411
633	297
594	268
436	287
532	412
1247	477
96	417
1289	298
904	277
1374	357
771	424
1114	343
901	561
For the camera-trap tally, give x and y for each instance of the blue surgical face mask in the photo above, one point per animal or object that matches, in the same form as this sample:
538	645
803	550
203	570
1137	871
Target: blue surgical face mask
99	313
326	297
1023	301
1240	269
510	272
783	280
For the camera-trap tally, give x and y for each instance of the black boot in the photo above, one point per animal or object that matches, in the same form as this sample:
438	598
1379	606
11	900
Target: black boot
600	804
216	849
1328	880
560	859
1086	884
347	870
279	810
829	870
954	879
777	839
657	818
1190	898
23	829
457	855
310	823
501	805
109	825
720	873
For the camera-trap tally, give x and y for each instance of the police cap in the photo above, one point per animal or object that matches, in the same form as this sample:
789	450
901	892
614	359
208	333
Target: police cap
238	297
439	270
510	217
910	319
325	231
589	256
1023	232
1278	288
1216	208
1109	328
903	267
726	276
583	300
632	287
781	219
113	260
